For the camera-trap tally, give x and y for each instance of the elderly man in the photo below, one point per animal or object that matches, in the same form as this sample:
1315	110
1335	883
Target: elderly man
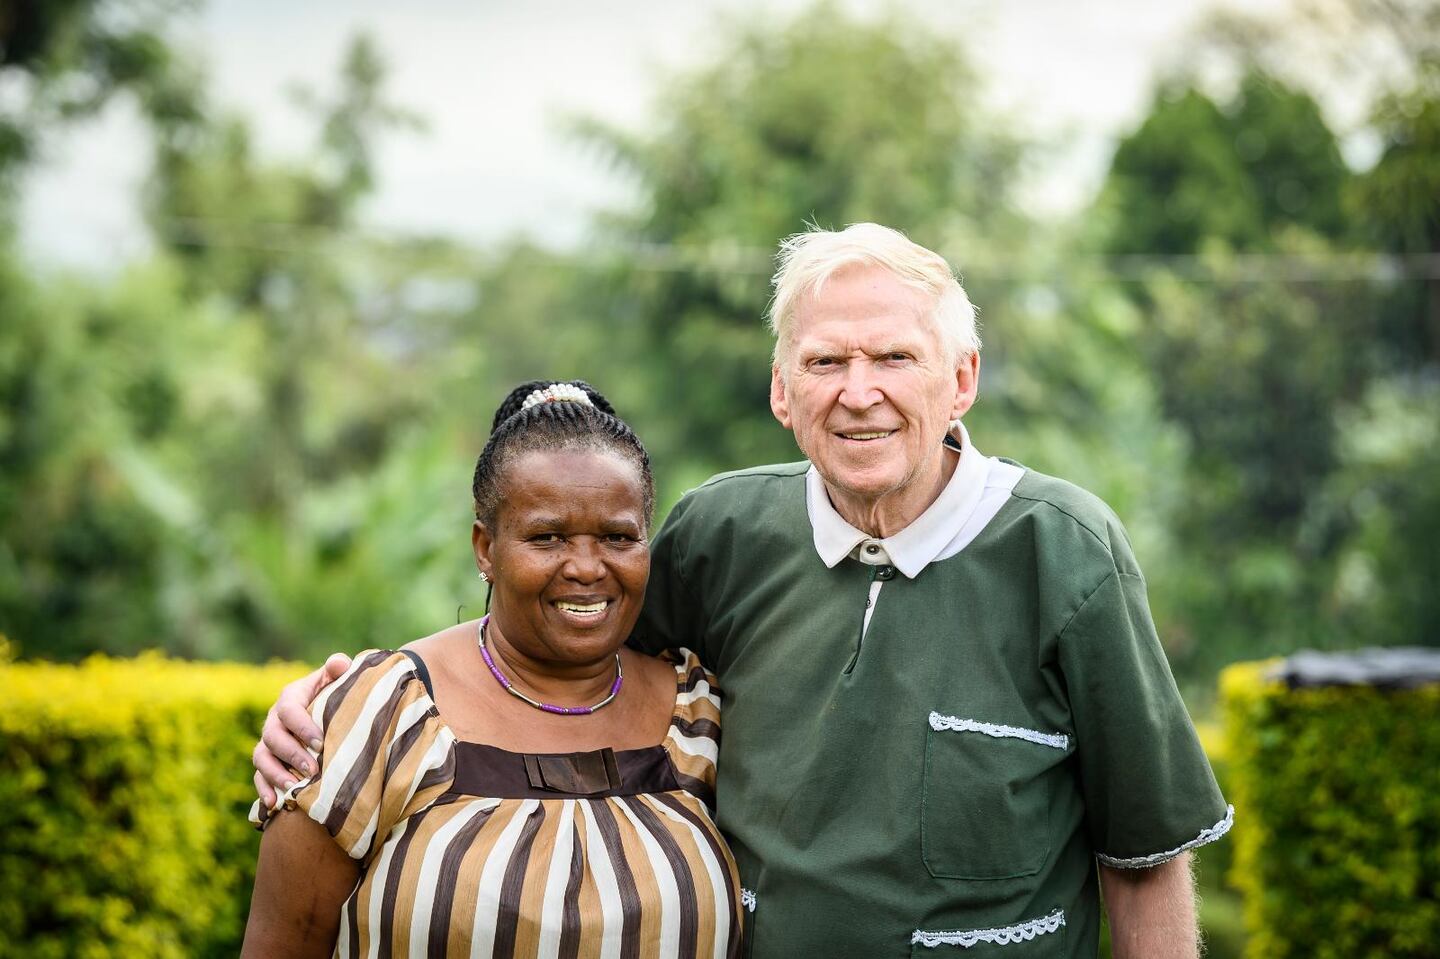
949	721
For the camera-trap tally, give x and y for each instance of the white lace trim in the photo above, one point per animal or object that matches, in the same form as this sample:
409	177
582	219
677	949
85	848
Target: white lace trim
1154	859
1004	936
1054	740
747	899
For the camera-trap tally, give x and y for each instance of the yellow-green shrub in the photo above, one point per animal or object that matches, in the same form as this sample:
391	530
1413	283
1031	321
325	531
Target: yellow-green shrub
124	786
1337	822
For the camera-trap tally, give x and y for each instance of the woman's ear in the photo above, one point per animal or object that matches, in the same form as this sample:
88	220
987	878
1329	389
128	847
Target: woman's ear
481	541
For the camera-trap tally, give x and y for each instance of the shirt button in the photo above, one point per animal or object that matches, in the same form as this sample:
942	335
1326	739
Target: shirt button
872	549
885	572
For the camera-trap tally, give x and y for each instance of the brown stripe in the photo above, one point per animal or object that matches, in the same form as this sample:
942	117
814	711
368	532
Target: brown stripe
455	851
352	916
364	767
679	868
570	914
400	748
513	883
698	788
624	879
592	912
338	696
693	677
722	856
699	728
389	894
440	775
467	888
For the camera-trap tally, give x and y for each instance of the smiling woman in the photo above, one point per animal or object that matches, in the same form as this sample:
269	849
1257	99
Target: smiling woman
524	784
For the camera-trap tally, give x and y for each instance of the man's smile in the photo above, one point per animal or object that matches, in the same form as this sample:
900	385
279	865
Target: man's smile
864	436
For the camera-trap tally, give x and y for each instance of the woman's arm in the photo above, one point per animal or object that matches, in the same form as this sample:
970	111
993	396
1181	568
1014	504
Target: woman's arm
302	880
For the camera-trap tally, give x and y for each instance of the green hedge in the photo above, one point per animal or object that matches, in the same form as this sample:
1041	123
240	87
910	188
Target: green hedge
124	786
1337	821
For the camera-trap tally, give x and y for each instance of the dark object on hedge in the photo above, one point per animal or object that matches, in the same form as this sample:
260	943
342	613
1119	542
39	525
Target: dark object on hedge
1397	667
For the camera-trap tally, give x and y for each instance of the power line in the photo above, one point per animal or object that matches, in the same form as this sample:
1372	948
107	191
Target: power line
742	260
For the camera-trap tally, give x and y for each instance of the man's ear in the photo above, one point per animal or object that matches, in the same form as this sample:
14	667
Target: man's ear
481	541
967	385
779	403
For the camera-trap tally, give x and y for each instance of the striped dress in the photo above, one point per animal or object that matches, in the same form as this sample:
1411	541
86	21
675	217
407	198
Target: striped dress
470	850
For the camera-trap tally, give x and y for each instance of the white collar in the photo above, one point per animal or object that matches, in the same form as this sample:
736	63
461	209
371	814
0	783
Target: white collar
917	545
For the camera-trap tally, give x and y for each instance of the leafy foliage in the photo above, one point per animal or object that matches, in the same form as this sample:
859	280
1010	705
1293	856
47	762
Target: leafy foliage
1336	849
125	789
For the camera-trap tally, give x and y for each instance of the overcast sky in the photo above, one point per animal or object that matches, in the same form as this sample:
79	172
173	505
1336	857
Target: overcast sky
491	78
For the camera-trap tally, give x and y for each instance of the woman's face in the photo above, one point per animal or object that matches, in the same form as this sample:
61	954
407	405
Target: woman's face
568	557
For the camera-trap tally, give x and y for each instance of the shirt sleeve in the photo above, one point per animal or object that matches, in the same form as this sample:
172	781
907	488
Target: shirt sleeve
1149	791
669	619
385	754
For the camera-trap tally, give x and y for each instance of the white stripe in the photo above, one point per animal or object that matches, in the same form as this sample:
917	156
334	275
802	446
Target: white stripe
376	879
342	942
1002	936
342	760
702	746
597	857
1207	835
492	878
669	943
429	875
700	692
1053	740
434	756
552	909
713	868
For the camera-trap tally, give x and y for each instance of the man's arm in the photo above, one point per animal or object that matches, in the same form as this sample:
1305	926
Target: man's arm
301	884
287	727
1152	910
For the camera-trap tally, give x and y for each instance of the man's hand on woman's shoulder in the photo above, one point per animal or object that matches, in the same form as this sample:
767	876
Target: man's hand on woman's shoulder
288	727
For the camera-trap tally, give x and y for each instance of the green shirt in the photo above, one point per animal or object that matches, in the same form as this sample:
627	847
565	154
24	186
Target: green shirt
950	776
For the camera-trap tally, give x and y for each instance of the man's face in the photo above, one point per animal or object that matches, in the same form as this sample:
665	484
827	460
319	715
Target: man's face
867	388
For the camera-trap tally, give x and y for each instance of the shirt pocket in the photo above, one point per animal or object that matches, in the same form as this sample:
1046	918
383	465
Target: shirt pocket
985	799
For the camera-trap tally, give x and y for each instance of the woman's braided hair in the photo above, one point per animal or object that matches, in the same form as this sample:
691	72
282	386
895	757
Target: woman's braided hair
551	426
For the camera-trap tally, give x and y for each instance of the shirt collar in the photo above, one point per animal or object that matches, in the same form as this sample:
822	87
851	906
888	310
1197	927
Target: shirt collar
916	546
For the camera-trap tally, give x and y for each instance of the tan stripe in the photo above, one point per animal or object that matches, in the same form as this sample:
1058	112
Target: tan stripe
705	893
696	767
467	888
698	709
364	799
646	884
430	823
532	893
591	923
398	803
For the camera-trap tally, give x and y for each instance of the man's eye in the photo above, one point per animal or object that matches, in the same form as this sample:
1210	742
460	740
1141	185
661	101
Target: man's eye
619	538
822	362
897	357
545	538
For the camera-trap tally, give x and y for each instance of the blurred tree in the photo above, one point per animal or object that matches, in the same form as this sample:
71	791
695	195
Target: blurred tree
1264	341
1398	204
827	118
1240	173
63	60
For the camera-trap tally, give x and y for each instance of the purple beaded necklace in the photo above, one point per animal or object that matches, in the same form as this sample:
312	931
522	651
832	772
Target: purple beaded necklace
558	710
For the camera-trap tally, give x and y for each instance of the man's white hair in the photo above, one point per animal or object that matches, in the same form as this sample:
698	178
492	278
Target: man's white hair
808	259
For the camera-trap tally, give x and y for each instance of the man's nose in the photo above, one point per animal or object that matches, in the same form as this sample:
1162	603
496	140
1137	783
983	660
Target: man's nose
860	390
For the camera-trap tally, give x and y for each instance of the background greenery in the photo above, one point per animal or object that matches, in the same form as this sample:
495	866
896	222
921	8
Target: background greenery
256	441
